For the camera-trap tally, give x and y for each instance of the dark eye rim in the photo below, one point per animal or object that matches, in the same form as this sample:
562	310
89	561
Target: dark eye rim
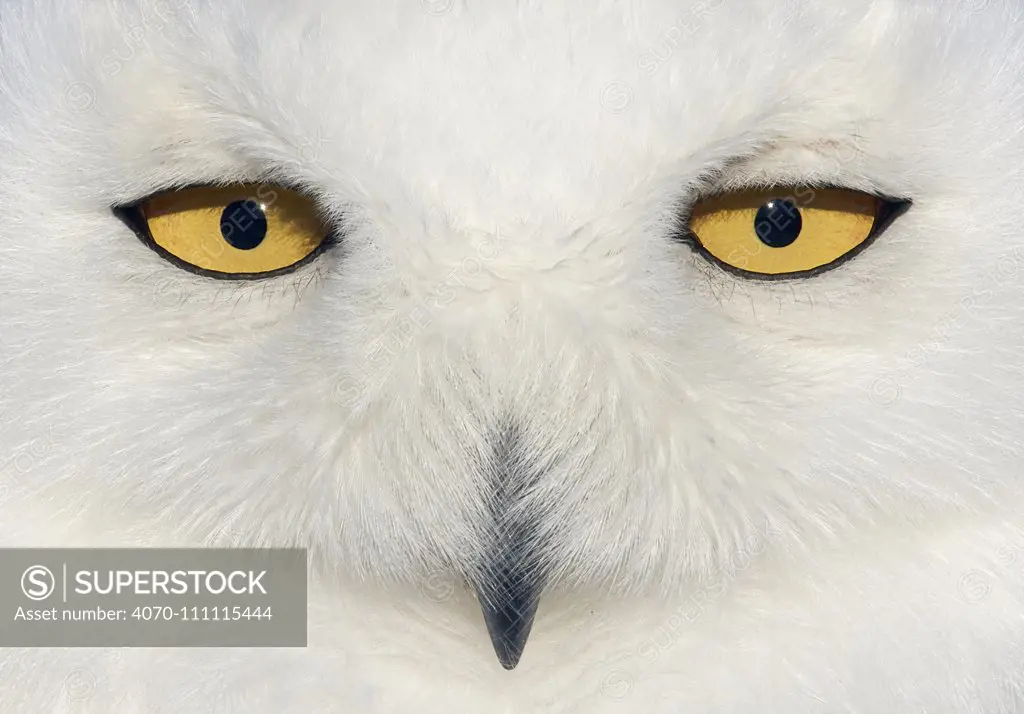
132	216
890	209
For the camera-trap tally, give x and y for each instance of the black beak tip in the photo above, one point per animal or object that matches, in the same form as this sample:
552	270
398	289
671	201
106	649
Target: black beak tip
509	626
508	658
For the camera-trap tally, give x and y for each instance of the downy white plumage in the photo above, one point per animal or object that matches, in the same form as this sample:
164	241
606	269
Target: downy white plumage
733	495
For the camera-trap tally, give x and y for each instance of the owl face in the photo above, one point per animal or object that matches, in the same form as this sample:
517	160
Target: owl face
576	297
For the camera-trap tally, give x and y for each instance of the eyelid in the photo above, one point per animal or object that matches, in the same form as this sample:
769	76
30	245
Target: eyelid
714	190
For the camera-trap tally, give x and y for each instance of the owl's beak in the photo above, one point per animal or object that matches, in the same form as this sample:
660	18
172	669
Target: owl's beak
510	582
509	602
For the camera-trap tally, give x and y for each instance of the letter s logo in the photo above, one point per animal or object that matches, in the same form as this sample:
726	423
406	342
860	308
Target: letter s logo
38	583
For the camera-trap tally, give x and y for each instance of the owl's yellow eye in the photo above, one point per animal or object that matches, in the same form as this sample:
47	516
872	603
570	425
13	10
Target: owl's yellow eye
239	231
789	231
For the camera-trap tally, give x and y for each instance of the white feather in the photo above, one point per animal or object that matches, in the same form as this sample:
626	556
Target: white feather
761	497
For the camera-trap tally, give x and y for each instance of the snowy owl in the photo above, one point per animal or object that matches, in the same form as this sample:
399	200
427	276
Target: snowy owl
605	355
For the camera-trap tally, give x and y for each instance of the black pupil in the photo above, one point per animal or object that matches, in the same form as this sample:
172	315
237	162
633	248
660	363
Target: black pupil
778	223
243	224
